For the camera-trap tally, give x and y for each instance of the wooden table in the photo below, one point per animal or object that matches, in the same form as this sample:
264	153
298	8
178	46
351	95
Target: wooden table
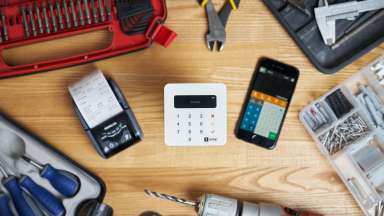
294	174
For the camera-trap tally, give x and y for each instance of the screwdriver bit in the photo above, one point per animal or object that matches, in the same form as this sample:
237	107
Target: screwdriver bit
24	19
53	17
32	19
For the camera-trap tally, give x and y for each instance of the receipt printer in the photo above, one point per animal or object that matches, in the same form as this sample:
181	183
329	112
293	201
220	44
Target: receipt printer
105	114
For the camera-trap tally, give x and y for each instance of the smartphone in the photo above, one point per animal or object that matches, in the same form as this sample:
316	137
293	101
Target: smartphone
267	102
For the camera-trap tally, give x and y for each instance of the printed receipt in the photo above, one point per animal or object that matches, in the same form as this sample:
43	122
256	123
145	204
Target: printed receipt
95	99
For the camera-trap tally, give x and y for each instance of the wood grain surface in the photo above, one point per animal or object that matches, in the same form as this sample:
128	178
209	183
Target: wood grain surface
294	174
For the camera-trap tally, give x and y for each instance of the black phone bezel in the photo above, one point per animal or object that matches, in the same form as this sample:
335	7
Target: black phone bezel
277	66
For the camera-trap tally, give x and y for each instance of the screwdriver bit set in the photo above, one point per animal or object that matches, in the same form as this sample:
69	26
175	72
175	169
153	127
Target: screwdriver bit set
32	185
134	24
347	124
331	44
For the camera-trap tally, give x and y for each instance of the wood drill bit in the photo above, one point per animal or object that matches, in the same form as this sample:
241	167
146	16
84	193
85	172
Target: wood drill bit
170	198
81	17
24	20
73	11
59	15
53	17
32	19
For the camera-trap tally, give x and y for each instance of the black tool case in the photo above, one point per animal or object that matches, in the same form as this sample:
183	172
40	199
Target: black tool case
302	27
88	201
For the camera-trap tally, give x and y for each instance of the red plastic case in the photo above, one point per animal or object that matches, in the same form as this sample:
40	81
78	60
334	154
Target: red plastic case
121	41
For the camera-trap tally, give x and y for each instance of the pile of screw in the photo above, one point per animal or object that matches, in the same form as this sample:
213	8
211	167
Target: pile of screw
350	130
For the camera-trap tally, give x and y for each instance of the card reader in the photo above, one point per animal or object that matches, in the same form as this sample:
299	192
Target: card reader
105	114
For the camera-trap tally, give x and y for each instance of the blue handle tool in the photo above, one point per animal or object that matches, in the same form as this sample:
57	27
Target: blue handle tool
64	182
4	206
43	196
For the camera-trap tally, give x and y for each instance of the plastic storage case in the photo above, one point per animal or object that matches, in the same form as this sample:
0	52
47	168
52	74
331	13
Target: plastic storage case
134	25
349	132
86	202
302	27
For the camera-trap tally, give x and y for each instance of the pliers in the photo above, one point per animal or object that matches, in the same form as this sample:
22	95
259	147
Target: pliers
217	22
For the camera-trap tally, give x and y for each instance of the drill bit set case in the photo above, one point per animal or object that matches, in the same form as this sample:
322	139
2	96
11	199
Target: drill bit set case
38	180
351	39
130	25
347	124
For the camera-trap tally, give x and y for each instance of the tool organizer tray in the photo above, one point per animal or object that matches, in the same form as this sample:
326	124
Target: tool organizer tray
134	25
88	199
302	27
347	124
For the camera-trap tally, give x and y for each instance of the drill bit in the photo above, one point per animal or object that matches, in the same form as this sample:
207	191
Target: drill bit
81	17
39	21
87	14
33	25
107	5
53	17
24	19
170	198
58	9
73	11
46	20
94	11
101	10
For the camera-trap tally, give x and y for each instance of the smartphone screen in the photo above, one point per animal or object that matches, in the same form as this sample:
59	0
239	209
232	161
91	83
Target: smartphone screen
267	103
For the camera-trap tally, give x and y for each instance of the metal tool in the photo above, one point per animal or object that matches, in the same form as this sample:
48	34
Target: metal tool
4	205
217	23
87	13
107	5
39	21
345	133
101	10
46	20
317	117
4	27
24	20
32	20
94	11
66	14
327	15
63	181
80	10
59	15
379	209
53	16
215	205
73	12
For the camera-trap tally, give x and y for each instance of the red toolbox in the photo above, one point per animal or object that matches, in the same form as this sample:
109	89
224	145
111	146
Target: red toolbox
134	25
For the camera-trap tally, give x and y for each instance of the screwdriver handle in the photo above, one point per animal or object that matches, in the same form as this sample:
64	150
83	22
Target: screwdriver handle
13	187
4	206
43	196
64	182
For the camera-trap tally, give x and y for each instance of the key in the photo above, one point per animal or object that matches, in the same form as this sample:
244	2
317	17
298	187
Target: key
81	17
39	21
46	20
32	19
66	14
24	19
73	11
58	9
87	13
327	15
53	17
